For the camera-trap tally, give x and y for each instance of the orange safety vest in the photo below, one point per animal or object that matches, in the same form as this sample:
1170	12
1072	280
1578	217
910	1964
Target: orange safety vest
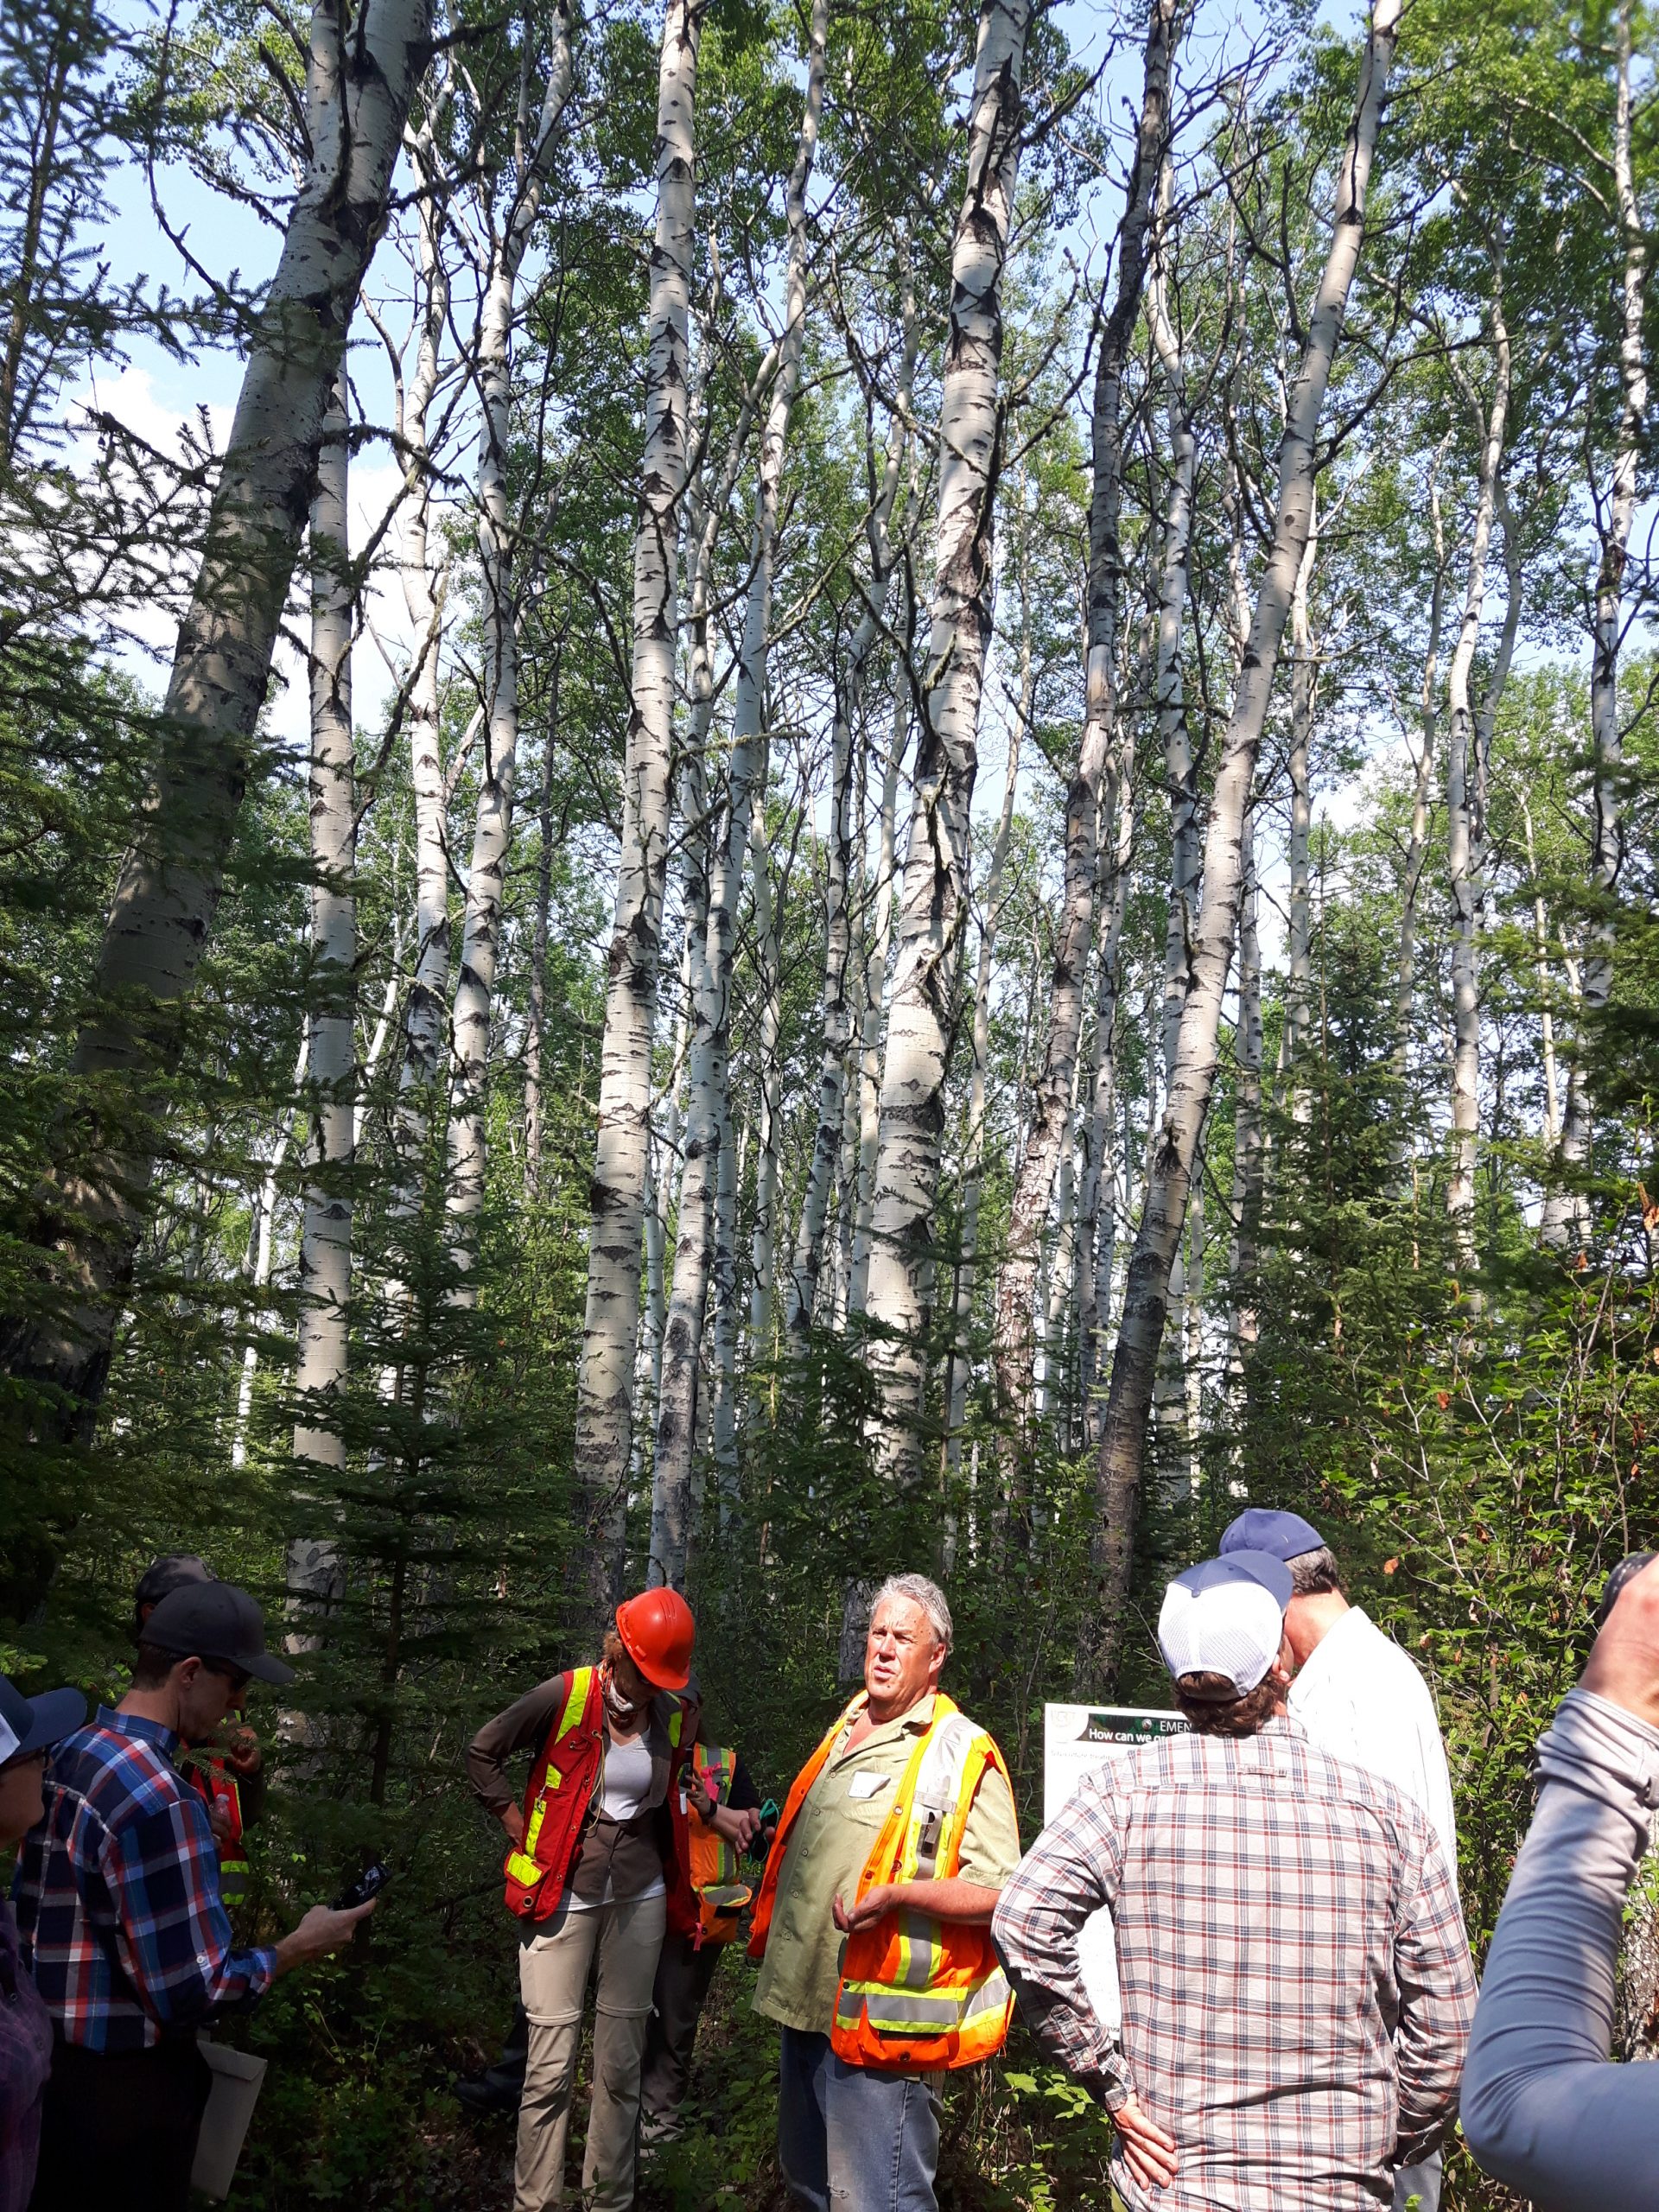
556	1799
916	1994
706	1899
218	1785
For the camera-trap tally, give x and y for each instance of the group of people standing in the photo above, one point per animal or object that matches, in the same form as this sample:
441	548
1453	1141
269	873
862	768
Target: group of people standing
1297	1990
1299	2000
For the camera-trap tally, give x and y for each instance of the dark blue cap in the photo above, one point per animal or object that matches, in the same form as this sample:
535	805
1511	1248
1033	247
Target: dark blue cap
1237	1566
34	1724
1263	1529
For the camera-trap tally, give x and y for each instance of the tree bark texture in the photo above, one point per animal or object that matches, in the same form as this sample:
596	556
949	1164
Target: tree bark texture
1055	1084
1567	1222
611	1322
932	904
1123	1449
708	1114
360	80
481	934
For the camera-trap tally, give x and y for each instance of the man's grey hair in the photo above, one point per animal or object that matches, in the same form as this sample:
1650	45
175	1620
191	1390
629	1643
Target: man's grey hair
1314	1574
920	1591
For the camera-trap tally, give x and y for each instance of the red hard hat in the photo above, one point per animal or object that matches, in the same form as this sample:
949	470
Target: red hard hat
658	1631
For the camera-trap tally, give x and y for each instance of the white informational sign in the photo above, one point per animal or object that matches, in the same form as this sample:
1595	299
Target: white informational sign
1077	1738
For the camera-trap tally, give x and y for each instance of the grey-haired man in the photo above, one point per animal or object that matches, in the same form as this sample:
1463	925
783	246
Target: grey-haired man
1297	1985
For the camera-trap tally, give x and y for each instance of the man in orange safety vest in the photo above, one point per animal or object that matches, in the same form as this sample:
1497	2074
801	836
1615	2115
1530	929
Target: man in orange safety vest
897	1836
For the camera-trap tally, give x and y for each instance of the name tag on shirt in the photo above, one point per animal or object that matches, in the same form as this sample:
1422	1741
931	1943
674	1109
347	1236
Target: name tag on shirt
866	1785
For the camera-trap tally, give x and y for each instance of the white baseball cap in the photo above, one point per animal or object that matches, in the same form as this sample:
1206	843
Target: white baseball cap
1226	1617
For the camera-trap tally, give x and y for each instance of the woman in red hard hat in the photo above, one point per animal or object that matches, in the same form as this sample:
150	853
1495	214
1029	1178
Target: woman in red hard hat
587	1873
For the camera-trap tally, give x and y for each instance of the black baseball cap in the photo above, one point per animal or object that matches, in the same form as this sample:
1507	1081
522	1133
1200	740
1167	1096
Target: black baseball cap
215	1620
34	1724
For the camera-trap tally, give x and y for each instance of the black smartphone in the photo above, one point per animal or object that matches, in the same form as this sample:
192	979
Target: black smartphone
369	1883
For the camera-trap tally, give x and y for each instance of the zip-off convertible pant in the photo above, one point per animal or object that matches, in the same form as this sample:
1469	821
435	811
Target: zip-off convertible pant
554	1963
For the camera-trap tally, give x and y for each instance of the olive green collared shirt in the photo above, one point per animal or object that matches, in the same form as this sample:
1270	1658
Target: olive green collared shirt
833	1836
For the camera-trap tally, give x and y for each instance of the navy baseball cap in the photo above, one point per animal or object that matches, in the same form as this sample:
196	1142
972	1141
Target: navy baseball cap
34	1724
172	1571
215	1620
1263	1529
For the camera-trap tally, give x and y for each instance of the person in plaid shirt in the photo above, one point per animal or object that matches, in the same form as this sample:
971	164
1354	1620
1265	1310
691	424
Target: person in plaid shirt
1296	1982
121	1920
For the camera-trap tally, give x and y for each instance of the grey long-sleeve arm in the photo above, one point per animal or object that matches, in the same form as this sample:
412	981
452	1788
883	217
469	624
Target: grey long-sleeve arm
1543	2107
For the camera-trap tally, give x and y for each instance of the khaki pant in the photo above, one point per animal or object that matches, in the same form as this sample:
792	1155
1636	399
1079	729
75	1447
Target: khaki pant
554	1964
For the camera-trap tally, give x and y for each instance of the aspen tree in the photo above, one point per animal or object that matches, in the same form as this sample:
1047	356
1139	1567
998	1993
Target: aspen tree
1175	1146
360	80
709	1113
850	700
605	1381
496	534
1466	781
1053	1091
932	906
320	1368
1567	1212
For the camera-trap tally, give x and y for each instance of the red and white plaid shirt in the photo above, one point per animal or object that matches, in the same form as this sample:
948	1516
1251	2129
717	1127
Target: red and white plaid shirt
1297	1984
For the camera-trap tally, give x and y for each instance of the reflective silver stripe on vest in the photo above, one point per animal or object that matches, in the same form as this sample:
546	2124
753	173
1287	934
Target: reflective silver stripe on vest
905	2013
937	1786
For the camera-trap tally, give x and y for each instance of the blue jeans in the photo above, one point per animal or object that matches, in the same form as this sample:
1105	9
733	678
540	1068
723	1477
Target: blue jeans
853	2140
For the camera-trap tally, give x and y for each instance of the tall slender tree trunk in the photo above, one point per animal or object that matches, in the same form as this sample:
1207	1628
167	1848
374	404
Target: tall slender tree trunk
1053	1091
358	87
1123	1449
313	1563
850	700
763	1243
709	1118
1428	713
1244	1256
973	1156
1097	1196
1465	823
536	1024
933	904
1567	1222
1298	933
605	1379
481	934
875	972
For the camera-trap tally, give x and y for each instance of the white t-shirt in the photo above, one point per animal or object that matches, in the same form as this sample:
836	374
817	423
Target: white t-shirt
1360	1698
624	1795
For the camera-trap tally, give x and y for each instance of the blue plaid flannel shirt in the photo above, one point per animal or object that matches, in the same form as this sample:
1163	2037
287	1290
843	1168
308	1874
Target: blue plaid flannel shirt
118	1896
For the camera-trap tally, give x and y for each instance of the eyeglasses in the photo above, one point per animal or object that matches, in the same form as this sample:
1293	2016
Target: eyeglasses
234	1675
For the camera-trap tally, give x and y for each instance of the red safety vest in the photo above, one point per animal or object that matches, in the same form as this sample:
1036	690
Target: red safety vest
705	1895
916	1994
556	1799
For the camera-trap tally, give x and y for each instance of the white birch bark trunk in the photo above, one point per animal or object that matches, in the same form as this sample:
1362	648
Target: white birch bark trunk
875	993
837	1010
357	86
611	1322
1428	711
424	589
708	1117
1299	935
1097	1196
1243	1257
932	907
1466	824
480	935
1053	1089
763	1243
973	1157
313	1574
261	1231
1566	1220
1134	1360
534	1135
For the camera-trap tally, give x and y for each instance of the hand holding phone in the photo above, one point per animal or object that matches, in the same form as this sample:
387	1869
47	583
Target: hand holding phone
369	1883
